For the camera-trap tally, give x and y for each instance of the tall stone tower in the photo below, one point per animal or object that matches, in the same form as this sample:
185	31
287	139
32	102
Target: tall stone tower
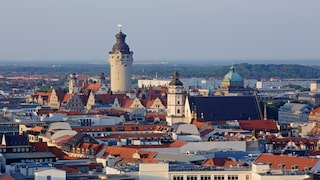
73	83
120	59
175	101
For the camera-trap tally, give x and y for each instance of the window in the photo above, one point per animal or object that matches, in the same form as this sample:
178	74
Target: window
191	177
177	177
48	177
219	177
232	177
247	177
205	177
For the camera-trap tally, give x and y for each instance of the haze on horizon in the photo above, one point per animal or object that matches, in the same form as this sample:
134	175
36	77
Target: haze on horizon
209	30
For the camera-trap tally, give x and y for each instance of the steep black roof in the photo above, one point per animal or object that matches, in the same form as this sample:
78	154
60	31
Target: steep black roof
222	108
15	140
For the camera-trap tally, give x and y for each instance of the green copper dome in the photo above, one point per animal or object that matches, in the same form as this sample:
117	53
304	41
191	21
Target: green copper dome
232	76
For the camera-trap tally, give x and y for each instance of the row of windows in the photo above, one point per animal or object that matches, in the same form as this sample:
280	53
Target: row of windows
20	149
207	177
123	56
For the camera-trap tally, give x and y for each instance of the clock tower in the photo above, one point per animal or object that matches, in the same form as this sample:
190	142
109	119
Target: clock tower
175	101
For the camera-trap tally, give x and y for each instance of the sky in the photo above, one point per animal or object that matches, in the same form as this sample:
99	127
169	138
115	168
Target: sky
166	30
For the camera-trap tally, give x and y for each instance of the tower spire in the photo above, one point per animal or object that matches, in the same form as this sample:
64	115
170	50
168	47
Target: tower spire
120	27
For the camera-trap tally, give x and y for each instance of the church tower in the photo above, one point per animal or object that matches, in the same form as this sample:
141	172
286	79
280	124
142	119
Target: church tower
73	83
120	59
175	101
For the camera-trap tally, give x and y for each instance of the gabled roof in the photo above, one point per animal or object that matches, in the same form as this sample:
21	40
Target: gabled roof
287	162
77	139
222	108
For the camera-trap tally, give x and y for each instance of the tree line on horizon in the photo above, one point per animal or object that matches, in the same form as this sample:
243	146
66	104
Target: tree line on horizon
247	71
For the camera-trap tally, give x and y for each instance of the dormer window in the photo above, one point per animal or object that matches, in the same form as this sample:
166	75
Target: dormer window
294	166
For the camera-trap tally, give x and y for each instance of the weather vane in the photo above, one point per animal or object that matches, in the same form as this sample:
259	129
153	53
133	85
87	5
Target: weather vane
120	27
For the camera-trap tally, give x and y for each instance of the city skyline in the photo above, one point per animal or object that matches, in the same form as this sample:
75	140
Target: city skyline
175	31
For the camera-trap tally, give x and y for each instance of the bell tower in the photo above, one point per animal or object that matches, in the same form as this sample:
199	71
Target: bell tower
175	101
120	59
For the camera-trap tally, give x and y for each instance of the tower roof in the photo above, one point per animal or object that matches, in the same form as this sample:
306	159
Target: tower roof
175	80
121	45
232	76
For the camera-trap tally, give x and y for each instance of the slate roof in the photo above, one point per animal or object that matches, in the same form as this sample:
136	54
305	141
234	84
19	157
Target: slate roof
222	108
15	140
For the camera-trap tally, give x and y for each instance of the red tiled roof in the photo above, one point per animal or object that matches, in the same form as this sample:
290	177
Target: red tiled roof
6	177
93	87
315	111
40	146
230	163
125	152
267	125
197	123
223	162
128	103
36	129
66	98
58	152
69	112
287	161
178	143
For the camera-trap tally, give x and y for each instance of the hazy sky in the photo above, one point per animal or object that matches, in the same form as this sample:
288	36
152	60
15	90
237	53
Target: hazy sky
72	30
